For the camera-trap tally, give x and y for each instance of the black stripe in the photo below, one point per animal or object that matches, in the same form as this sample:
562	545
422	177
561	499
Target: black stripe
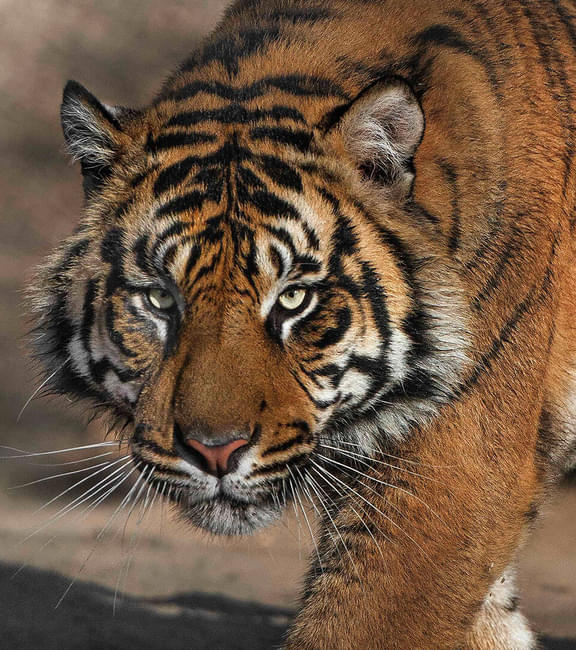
284	446
535	295
554	65
267	203
445	36
235	114
140	251
114	335
71	255
112	247
298	15
154	447
171	252
375	293
277	260
344	238
193	257
451	177
99	370
186	203
298	139
175	229
180	139
280	467
568	21
174	175
233	48
137	180
334	335
280	172
416	323
297	85
512	246
88	314
284	236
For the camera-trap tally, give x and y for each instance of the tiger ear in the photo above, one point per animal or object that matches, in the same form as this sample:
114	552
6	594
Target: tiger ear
92	131
381	131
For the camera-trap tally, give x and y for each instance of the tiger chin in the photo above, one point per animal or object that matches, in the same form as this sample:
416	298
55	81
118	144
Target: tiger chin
332	262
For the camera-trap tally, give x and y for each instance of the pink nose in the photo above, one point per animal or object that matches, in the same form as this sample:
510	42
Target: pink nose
216	457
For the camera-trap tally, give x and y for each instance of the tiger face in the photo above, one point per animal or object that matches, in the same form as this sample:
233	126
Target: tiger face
247	287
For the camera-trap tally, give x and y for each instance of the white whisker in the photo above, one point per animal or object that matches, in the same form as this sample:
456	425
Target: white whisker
86	478
41	387
404	460
379	462
297	496
74	504
327	511
55	476
26	454
371	505
385	483
99	537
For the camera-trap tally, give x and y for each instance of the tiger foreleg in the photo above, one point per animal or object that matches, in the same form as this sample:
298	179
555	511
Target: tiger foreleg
499	624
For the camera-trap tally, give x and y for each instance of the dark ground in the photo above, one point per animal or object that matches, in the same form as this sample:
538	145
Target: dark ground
181	592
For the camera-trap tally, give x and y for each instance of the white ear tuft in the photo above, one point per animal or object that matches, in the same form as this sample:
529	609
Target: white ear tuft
381	131
92	132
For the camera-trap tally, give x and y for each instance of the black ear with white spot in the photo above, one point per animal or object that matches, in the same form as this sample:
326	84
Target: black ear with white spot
381	131
92	131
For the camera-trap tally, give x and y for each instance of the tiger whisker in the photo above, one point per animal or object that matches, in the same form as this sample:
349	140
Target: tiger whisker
26	454
143	504
404	460
327	511
361	519
99	537
46	381
74	504
379	462
293	500
61	475
71	462
318	513
371	489
89	508
385	483
297	496
134	540
81	482
371	505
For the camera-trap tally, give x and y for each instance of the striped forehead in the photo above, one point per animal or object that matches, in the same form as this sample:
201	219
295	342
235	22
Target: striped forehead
217	178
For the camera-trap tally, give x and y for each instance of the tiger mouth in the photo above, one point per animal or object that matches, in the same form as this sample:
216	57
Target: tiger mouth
227	505
228	514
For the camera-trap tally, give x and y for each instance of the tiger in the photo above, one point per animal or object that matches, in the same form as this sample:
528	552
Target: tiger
332	262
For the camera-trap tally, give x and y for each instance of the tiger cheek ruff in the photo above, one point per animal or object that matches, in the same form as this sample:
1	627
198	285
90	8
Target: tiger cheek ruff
333	260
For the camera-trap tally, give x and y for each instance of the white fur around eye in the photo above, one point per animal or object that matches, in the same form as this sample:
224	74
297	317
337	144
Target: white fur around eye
292	299
160	299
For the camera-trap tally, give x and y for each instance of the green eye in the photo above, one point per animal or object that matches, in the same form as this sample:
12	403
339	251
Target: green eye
292	299
160	299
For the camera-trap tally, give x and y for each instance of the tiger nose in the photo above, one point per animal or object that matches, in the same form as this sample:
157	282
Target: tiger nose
216	458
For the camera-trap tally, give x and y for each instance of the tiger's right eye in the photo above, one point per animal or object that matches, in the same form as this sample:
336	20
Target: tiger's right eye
160	299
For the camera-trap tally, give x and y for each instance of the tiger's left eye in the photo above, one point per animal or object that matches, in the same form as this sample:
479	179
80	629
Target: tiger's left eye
292	299
161	299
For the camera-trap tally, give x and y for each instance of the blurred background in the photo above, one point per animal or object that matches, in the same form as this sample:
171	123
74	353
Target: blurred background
155	584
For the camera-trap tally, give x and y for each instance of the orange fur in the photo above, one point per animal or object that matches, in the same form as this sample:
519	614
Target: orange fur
491	220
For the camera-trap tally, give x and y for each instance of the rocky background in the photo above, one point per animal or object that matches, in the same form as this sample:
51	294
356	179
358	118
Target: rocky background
151	583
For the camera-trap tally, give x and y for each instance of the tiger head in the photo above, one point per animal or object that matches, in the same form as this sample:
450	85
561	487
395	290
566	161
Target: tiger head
251	285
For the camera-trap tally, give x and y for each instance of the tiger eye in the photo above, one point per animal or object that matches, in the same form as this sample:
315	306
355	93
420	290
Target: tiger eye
292	299
161	299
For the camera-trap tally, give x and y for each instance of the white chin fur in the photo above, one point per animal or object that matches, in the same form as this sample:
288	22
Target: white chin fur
221	517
